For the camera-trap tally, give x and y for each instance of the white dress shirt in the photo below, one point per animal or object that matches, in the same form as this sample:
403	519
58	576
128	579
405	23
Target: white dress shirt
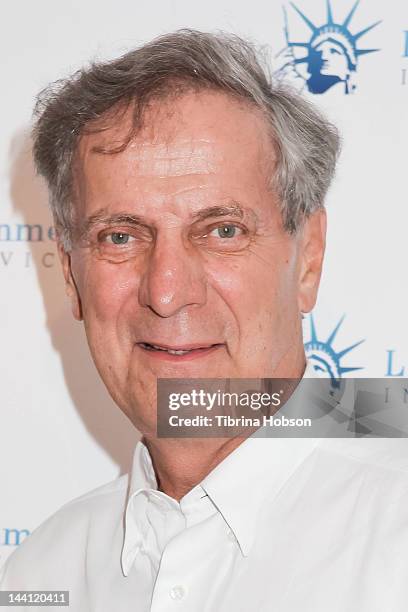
280	525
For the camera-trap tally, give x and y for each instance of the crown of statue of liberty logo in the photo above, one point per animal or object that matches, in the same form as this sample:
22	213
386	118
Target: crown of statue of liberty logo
331	52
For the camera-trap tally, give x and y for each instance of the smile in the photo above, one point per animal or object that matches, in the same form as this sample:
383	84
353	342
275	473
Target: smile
177	353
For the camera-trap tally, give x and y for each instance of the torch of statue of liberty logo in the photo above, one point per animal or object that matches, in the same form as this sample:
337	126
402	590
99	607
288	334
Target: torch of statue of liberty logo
331	53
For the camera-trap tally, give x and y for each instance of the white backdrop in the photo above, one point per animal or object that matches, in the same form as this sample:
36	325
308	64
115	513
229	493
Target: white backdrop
60	433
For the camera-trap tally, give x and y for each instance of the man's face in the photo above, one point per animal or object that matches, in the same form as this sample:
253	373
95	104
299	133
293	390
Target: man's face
182	247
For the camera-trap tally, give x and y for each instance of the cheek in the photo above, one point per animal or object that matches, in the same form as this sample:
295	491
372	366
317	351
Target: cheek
262	286
104	288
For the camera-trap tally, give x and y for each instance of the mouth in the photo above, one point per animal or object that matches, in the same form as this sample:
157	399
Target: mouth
178	353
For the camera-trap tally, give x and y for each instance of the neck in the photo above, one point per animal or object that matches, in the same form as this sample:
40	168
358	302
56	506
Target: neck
182	463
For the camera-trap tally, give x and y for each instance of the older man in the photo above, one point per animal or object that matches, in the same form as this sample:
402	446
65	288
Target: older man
187	192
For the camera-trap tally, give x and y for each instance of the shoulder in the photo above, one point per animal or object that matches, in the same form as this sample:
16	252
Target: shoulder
381	462
98	501
389	454
66	536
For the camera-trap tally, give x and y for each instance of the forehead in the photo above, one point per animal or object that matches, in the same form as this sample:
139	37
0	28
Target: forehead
199	138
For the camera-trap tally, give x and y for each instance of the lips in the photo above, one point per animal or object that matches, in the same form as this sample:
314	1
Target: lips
177	350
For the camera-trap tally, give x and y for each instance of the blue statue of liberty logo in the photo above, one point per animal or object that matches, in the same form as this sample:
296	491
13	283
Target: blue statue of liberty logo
323	356
331	52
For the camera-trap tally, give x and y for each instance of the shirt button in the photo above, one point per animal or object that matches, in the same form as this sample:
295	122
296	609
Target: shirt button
177	592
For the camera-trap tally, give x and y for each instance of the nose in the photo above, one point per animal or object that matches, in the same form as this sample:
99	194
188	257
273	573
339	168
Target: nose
173	278
324	55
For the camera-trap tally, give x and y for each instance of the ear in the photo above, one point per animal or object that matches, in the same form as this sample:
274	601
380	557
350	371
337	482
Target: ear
311	260
70	285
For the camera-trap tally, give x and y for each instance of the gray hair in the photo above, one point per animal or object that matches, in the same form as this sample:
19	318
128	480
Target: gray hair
305	143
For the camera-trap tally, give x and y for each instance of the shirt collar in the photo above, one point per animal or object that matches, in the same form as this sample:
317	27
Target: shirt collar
237	486
142	478
257	468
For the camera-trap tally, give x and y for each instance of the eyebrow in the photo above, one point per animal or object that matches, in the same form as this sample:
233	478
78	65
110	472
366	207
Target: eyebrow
101	217
234	210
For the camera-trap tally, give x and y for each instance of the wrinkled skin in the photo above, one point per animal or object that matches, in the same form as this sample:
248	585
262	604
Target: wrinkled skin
163	274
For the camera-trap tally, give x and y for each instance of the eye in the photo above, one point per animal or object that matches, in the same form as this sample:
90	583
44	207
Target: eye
118	237
226	231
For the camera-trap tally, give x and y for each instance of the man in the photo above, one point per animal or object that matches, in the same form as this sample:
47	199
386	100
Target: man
187	193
